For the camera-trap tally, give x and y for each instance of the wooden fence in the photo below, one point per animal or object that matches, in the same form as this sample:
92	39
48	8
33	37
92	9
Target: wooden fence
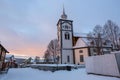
108	64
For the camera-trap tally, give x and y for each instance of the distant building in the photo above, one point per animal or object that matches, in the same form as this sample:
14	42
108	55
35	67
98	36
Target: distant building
37	60
10	61
73	48
20	61
3	52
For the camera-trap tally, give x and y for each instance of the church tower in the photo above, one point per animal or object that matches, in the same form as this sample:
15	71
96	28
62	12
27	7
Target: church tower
65	36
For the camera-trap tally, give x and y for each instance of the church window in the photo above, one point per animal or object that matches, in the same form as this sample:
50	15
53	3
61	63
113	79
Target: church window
81	51
66	27
94	50
63	27
69	27
68	58
81	58
67	36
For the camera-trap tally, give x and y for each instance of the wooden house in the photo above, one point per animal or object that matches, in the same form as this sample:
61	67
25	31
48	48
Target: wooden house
3	52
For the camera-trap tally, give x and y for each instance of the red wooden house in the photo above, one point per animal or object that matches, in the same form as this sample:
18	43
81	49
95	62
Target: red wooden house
3	52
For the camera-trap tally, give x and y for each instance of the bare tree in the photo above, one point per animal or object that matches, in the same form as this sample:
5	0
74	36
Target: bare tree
47	56
109	33
96	39
52	51
53	48
112	33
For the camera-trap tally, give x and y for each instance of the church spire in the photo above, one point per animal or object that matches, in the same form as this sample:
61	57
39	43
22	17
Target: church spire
64	16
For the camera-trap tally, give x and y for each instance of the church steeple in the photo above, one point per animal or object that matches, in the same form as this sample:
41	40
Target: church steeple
64	16
65	39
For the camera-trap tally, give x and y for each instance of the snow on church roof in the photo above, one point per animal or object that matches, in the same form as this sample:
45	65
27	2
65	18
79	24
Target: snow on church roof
82	42
79	34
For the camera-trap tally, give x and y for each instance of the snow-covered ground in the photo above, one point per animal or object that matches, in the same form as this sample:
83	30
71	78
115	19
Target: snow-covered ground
35	74
74	65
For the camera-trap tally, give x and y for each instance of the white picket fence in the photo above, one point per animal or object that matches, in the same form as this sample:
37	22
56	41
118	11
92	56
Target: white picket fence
103	65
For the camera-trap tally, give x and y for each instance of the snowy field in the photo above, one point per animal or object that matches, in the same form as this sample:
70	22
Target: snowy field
35	74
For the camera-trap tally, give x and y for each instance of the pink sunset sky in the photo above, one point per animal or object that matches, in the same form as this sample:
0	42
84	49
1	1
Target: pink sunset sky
27	26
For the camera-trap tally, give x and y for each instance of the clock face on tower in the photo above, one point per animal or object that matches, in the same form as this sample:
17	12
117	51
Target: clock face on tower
66	26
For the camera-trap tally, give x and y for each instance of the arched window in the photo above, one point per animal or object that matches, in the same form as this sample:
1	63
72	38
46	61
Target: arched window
67	36
68	58
66	27
81	58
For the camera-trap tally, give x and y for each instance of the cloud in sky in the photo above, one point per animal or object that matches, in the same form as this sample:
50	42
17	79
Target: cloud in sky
27	26
23	29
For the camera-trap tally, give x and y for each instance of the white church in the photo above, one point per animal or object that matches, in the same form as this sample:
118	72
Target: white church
74	48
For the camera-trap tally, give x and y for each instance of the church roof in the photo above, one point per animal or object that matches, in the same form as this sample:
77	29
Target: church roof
81	42
79	34
84	42
3	48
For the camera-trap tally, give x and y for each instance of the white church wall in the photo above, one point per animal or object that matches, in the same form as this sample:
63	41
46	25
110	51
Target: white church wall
104	65
66	53
66	43
77	55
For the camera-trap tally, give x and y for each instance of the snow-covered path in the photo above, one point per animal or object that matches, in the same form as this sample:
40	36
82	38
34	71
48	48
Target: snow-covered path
34	74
